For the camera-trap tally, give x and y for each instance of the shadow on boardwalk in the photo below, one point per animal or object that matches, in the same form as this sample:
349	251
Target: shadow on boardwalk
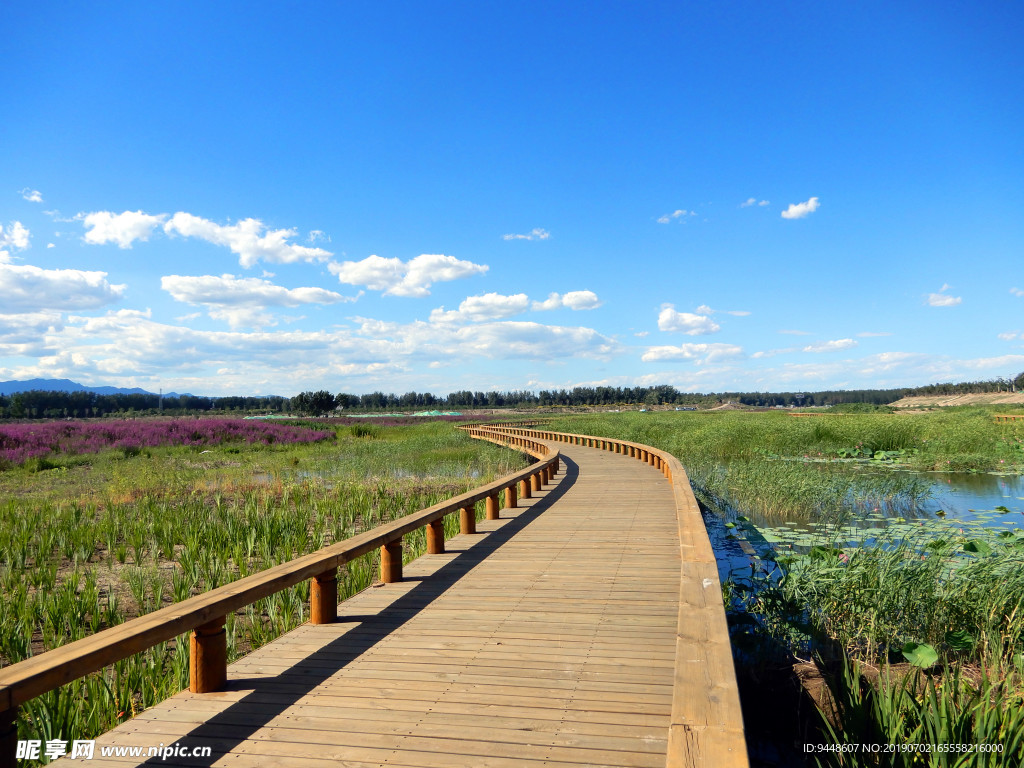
268	698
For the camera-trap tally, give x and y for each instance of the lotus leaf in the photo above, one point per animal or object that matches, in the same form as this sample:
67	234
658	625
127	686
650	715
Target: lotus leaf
920	654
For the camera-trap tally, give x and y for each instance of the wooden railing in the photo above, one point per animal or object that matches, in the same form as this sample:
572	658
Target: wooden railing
1008	417
205	615
707	722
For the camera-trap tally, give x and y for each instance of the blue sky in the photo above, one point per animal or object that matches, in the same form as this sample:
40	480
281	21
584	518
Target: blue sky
256	198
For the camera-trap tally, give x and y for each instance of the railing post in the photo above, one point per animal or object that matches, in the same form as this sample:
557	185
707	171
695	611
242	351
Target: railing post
8	738
391	562
492	507
524	489
467	519
323	597
435	537
535	481
510	497
208	657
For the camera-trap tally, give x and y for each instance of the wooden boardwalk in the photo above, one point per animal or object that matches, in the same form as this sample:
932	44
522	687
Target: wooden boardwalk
547	638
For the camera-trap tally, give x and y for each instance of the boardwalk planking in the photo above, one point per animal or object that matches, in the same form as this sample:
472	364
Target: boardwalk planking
549	638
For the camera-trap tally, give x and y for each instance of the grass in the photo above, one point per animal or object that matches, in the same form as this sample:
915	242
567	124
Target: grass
773	466
97	539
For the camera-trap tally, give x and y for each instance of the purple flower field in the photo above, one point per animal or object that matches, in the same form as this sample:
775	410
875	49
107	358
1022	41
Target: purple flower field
21	442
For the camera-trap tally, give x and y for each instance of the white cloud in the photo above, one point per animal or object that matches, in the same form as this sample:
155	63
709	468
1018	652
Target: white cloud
704	309
23	334
121	228
231	291
241	301
397	278
318	235
129	343
677	214
495	340
15	238
799	210
580	300
943	299
1017	292
702	353
249	239
476	309
32	195
30	289
766	353
685	322
576	300
1010	336
753	201
531	341
831	346
533	234
243	317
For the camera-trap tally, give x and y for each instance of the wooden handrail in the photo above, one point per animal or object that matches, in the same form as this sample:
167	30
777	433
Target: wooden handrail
205	614
707	722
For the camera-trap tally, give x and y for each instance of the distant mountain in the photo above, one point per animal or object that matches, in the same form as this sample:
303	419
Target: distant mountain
66	385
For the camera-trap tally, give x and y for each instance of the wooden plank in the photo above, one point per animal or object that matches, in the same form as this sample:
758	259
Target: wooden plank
556	645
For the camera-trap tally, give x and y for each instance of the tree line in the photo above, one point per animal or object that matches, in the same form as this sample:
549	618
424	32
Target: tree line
43	404
38	404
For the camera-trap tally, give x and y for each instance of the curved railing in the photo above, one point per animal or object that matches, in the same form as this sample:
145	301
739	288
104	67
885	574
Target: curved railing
707	722
205	615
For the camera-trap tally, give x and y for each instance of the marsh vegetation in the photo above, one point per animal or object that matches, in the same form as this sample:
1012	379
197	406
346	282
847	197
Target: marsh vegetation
89	539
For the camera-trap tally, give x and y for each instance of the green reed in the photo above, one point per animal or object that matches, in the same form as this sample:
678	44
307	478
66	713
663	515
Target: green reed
913	719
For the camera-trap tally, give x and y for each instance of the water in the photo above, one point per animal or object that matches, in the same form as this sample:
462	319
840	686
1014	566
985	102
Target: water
970	505
963	496
960	504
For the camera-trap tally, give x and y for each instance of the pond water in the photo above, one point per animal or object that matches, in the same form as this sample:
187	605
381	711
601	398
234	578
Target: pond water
960	504
986	507
963	496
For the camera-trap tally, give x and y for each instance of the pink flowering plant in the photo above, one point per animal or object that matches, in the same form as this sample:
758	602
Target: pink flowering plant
21	442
